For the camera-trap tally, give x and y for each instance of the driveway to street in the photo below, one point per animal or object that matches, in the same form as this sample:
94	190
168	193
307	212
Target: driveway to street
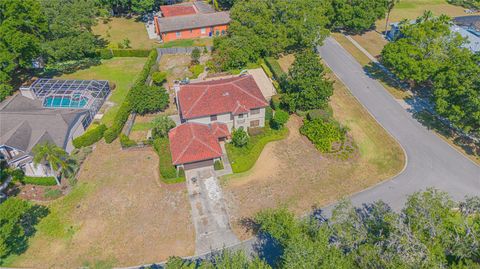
209	214
431	162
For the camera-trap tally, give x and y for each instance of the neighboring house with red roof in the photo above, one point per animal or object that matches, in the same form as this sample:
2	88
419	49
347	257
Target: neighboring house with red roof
190	20
209	110
237	102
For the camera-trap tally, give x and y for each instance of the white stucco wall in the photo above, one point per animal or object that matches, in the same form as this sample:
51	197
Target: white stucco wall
237	122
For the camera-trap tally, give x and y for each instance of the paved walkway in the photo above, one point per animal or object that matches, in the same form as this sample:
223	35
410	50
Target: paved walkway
209	214
227	168
431	161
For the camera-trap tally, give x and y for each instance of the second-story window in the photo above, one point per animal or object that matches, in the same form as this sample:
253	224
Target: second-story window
213	117
240	116
255	111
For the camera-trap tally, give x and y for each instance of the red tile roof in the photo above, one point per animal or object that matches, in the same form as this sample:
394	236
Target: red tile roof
193	142
177	10
232	95
220	130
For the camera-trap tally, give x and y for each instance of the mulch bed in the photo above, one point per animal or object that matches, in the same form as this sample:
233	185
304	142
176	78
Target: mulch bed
33	192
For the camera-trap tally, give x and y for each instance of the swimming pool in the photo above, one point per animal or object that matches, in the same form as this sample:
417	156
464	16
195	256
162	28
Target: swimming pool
64	101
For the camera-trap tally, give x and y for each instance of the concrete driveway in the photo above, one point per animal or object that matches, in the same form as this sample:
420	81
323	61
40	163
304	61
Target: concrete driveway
209	214
430	161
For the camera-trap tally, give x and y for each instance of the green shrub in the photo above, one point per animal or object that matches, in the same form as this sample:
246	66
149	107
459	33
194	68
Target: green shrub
279	119
167	170
196	70
123	53
159	77
268	114
275	102
52	193
90	136
218	165
275	68
323	133
42	181
239	138
105	54
125	108
161	125
148	99
119	121
266	70
126	142
196	53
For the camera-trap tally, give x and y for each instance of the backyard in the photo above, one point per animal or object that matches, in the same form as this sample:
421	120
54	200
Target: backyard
119	214
293	173
118	29
121	72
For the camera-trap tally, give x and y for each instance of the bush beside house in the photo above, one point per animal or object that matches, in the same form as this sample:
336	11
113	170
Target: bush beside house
42	181
167	170
90	136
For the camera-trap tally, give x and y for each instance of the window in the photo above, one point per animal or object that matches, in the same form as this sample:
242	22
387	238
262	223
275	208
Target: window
231	116
255	123
191	31
255	111
213	117
217	33
178	34
223	32
240	116
203	30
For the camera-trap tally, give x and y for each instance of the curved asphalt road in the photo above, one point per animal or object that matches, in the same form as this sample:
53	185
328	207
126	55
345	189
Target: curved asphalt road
431	162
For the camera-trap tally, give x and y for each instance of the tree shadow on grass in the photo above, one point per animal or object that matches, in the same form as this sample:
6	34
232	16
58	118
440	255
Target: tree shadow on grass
18	241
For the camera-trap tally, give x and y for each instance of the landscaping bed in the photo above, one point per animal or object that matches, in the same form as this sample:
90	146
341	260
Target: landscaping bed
242	159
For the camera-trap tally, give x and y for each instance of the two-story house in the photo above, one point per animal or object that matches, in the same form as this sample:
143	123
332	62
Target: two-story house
209	110
237	102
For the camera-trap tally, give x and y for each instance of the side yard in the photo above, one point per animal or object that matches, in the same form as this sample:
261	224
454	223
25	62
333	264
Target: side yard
120	71
293	173
119	214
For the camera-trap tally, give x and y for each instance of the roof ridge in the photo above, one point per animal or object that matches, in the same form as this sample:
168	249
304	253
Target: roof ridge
251	95
198	99
183	151
208	146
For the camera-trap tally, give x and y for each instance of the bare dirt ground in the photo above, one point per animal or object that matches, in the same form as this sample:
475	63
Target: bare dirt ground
119	214
292	173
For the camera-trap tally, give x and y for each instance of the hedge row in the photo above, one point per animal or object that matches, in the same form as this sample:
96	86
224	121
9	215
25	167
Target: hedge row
125	108
110	53
90	137
274	67
167	170
42	181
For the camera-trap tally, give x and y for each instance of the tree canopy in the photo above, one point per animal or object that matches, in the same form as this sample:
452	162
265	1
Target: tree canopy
430	55
148	99
267	28
356	16
428	233
306	87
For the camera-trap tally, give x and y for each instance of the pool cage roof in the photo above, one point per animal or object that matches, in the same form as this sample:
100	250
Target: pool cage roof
88	89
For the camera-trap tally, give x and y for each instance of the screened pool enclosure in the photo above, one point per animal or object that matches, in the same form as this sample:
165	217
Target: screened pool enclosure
72	94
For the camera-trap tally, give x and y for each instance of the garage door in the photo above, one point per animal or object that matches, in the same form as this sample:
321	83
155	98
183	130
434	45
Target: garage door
194	165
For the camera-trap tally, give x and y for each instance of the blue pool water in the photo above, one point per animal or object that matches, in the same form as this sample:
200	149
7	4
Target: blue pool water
58	101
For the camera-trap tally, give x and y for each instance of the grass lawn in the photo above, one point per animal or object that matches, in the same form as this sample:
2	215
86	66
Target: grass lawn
243	159
293	173
121	71
117	215
117	29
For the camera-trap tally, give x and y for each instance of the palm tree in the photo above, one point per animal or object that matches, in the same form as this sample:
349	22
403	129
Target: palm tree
390	5
55	156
